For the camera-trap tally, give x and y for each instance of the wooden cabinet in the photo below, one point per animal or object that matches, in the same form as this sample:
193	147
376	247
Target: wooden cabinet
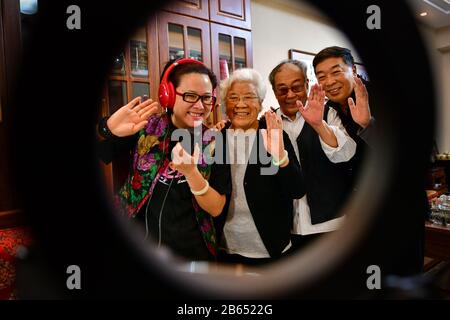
183	37
208	31
193	8
232	45
219	30
235	13
135	70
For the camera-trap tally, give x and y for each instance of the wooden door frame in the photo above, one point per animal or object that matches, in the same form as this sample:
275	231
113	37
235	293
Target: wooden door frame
10	58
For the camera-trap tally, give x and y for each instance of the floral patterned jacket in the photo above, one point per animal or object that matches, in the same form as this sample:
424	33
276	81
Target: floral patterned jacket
151	158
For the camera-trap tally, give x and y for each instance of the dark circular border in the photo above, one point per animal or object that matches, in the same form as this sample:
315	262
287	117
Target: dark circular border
60	186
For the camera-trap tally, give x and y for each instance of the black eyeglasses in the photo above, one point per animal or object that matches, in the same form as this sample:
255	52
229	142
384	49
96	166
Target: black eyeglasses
191	97
234	98
297	88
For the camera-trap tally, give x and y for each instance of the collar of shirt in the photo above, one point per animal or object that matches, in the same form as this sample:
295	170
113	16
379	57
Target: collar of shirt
285	117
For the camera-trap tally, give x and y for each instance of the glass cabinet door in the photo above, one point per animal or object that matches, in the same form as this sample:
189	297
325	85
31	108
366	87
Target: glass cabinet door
176	41
140	89
139	54
225	55
183	37
240	55
118	67
232	45
138	83
195	43
134	72
231	49
117	95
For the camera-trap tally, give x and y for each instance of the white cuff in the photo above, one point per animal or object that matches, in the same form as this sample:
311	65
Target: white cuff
345	149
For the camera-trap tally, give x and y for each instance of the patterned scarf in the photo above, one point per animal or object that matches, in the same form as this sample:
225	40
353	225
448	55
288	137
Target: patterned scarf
151	158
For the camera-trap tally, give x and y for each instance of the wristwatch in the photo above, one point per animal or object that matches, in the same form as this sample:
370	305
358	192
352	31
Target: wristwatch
103	129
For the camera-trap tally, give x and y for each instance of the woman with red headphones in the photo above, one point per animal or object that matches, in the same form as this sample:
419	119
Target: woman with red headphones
171	188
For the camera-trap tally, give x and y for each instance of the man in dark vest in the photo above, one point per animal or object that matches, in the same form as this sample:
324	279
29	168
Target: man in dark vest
322	146
335	70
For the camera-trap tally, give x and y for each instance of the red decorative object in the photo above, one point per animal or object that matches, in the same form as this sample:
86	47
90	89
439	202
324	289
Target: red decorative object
10	240
224	73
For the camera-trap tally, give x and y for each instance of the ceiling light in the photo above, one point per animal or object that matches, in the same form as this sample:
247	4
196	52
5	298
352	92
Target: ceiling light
423	14
28	6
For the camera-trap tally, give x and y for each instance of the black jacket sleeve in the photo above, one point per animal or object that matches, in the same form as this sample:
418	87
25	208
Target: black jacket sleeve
110	149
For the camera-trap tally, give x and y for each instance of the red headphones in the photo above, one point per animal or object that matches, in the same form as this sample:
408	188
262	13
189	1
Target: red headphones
166	90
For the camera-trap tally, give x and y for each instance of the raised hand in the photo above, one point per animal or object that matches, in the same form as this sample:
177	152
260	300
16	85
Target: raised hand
273	136
360	111
220	125
132	117
182	161
313	111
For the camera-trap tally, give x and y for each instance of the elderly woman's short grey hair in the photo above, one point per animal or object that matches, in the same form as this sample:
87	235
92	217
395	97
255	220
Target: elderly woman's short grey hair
244	75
